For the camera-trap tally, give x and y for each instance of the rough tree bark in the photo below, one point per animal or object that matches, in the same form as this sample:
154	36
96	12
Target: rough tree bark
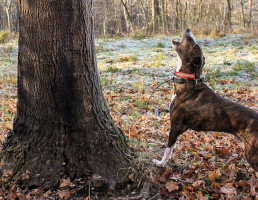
62	127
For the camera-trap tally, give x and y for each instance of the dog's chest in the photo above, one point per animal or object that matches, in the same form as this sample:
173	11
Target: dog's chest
173	97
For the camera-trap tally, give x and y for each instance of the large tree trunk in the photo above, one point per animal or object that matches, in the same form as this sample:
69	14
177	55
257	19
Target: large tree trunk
63	127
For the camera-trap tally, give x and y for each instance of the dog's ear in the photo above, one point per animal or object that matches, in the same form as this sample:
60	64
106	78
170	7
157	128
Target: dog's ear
196	46
197	62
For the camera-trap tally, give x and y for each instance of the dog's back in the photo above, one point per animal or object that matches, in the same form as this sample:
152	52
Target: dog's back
203	110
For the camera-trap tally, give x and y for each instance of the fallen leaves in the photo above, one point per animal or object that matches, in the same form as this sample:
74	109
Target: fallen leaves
172	186
229	190
214	175
66	190
198	183
64	183
64	194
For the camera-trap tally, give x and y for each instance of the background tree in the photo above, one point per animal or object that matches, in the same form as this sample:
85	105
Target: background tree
8	16
228	15
62	127
119	17
155	15
250	14
128	19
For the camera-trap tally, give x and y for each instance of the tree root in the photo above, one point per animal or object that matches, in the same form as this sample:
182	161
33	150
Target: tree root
143	195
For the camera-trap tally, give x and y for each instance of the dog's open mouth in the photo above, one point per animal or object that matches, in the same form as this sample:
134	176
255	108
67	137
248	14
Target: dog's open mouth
175	43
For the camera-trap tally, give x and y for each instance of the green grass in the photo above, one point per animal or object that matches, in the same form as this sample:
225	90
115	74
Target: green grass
117	37
130	58
161	45
140	103
104	81
218	73
233	73
158	59
139	35
225	62
101	49
8	79
132	71
112	69
4	36
160	56
244	65
9	49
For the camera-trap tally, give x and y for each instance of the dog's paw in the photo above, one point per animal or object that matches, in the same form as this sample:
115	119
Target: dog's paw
158	163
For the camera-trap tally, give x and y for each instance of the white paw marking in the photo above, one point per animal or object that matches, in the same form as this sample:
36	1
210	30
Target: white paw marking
166	157
157	163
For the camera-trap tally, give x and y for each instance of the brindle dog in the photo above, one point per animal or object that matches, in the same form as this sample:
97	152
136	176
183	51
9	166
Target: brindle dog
195	106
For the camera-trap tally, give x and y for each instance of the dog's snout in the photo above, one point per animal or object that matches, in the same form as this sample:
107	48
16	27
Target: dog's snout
187	32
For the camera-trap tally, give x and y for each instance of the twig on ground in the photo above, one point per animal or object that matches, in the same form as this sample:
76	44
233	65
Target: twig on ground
154	196
145	189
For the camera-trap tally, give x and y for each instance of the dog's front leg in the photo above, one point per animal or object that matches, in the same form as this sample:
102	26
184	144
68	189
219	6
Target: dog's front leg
167	156
173	134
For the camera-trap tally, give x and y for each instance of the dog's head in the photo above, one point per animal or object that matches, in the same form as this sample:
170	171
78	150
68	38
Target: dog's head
190	55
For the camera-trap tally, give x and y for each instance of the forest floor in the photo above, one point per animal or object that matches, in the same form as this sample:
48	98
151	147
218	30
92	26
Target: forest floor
204	165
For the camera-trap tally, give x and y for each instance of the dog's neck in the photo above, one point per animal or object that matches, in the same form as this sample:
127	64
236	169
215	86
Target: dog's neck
179	63
187	68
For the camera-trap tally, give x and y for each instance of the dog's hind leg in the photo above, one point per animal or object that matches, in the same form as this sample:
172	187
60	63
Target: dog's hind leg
169	150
